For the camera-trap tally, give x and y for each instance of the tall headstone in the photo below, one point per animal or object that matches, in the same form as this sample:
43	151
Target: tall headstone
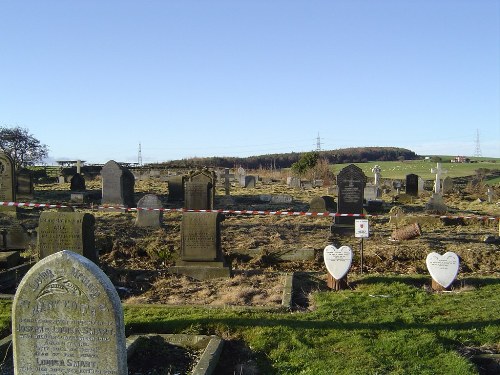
447	185
7	179
201	254
421	185
148	211
376	177
176	188
24	185
412	184
66	231
117	185
67	319
199	191
77	183
240	176
351	183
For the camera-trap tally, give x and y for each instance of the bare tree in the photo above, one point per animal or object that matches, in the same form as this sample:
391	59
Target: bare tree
22	146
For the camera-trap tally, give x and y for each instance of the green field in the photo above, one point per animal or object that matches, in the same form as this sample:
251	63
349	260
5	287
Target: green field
399	170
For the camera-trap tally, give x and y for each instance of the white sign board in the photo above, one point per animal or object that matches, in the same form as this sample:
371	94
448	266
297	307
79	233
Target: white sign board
361	229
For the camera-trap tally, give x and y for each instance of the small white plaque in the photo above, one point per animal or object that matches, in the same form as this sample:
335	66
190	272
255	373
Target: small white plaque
443	268
361	229
337	261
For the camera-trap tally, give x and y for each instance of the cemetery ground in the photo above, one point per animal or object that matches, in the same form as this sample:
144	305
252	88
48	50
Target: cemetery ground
388	321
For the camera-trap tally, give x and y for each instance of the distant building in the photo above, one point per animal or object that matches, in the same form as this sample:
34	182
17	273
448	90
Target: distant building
460	159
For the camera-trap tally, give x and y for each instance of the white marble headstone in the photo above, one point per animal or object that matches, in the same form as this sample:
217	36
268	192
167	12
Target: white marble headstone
337	260
443	268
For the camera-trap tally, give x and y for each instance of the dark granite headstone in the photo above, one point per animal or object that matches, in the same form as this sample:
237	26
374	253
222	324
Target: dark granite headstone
66	231
24	186
201	254
176	188
7	179
149	214
77	183
412	184
67	319
351	183
200	190
250	182
117	185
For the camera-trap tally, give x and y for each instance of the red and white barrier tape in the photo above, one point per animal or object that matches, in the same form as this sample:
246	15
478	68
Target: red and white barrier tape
237	212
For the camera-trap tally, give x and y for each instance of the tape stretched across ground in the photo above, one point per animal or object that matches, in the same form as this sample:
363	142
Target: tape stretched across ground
236	212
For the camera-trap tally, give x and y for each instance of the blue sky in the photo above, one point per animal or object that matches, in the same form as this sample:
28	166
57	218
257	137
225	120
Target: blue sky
92	79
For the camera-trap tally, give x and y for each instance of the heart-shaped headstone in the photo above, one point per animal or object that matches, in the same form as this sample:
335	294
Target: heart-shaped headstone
337	261
443	268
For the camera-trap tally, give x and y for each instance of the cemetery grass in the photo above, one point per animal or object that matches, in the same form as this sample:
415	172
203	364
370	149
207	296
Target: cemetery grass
388	322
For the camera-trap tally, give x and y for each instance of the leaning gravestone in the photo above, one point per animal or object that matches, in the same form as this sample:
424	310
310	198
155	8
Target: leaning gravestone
66	231
412	184
149	213
7	179
67	319
117	185
351	183
201	254
443	269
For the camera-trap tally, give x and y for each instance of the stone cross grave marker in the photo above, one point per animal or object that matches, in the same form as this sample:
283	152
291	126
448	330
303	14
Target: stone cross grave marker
443	268
148	213
7	179
351	183
66	231
377	174
67	319
117	185
412	184
438	171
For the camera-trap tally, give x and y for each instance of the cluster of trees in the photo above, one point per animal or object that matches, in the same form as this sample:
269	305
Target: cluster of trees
286	160
22	147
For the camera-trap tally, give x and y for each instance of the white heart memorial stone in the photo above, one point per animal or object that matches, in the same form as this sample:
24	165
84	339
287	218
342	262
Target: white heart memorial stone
443	268
337	261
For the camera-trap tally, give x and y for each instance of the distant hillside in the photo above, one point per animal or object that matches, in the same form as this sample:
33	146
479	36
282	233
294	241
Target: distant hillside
344	155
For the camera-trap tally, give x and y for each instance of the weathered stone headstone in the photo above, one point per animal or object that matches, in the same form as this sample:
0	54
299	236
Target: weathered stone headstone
250	182
240	176
117	185
77	183
490	193
421	185
24	186
199	191
201	254
67	319
351	183
176	188
16	238
370	193
293	182
317	204
7	179
412	184
66	231
148	211
447	185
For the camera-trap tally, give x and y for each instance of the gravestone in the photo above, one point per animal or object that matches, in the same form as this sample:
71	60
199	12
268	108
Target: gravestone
351	183
338	262
66	231
201	254
293	182
24	185
421	185
317	204
412	184
447	185
376	175
77	183
199	191
250	182
276	198
16	238
438	171
443	269
370	193
117	185
67	319
240	176
7	179
176	188
148	211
